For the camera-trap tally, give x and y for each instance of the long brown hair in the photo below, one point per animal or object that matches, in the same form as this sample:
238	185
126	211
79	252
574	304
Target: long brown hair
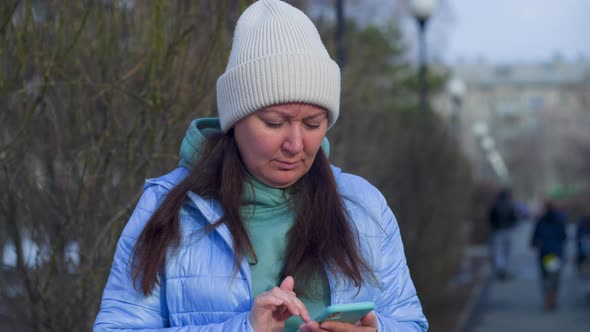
321	235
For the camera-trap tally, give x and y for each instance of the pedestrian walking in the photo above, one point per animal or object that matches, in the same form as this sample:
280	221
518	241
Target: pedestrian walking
502	218
583	254
256	231
583	245
548	239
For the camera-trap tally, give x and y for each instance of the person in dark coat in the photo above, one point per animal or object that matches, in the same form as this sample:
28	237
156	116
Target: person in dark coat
583	244
548	239
502	217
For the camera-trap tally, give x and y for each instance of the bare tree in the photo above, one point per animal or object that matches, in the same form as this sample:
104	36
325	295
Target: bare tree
95	96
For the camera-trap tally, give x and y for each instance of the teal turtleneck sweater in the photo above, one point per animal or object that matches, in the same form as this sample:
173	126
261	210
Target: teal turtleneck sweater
268	218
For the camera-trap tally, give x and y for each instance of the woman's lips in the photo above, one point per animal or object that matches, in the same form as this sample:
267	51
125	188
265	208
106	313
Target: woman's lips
287	165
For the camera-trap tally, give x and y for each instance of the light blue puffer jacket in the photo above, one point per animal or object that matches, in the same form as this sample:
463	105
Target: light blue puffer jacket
199	292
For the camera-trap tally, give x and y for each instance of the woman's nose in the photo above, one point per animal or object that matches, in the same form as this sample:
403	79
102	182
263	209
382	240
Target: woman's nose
293	143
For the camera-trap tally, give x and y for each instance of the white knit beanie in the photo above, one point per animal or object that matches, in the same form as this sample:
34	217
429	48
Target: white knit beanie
277	57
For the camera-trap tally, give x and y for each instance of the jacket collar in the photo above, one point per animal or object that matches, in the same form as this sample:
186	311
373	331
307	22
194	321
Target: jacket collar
210	209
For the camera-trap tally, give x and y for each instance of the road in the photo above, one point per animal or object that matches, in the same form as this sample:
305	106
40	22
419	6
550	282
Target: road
516	304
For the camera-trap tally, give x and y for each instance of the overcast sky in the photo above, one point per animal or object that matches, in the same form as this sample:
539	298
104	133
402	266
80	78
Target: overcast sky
516	30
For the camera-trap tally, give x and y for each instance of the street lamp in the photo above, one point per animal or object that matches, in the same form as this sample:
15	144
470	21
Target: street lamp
340	52
488	145
422	10
456	90
480	129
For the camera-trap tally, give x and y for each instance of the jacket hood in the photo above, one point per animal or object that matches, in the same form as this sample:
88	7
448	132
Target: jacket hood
199	130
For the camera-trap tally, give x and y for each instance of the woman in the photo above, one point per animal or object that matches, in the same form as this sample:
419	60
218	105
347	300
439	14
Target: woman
256	231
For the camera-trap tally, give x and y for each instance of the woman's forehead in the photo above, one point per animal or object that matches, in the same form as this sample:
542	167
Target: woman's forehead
294	109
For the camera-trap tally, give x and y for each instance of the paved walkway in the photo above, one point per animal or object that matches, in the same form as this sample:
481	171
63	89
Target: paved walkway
516	304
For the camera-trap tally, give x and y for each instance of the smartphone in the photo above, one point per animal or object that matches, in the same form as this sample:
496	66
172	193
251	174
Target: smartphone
347	313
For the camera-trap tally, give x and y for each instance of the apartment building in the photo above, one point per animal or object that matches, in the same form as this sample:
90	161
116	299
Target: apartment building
538	115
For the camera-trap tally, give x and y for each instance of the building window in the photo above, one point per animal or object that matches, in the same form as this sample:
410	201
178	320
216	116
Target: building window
507	106
536	103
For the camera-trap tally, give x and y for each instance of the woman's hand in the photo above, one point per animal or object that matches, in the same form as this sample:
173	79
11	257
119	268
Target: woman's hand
272	308
365	324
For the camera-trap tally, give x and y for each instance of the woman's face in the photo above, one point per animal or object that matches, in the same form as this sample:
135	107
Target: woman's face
278	143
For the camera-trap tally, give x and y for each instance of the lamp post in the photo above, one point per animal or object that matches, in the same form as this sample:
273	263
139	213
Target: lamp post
422	10
456	90
340	53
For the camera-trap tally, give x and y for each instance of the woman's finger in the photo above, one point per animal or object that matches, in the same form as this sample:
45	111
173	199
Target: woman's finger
288	284
295	305
368	323
369	319
268	301
311	327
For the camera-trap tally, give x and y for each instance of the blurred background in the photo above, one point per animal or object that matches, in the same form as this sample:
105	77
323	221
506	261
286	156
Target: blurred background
443	103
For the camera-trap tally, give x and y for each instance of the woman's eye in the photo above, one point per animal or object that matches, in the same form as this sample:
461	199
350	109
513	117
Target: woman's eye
312	125
273	124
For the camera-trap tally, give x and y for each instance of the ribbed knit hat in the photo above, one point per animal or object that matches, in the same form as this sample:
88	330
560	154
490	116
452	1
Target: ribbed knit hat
277	57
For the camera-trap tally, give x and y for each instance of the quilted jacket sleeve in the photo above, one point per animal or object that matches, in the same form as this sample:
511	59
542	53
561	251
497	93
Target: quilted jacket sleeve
398	308
124	308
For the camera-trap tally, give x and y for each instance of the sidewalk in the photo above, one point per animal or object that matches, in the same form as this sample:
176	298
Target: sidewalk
516	304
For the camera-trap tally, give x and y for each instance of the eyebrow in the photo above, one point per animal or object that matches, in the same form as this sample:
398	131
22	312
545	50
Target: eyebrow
324	114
